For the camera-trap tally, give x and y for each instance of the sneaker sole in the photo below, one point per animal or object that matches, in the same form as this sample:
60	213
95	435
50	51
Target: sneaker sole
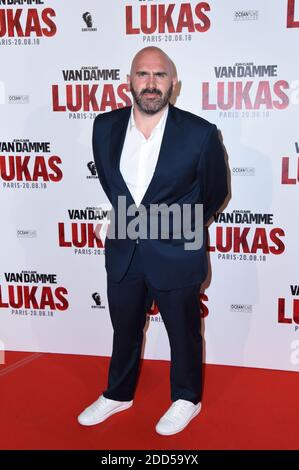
182	427
103	418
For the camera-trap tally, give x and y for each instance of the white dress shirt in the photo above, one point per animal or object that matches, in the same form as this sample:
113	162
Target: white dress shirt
139	157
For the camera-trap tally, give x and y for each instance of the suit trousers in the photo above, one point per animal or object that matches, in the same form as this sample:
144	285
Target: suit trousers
128	302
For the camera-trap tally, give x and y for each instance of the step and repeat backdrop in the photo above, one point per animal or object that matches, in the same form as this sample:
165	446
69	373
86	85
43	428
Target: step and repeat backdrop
65	61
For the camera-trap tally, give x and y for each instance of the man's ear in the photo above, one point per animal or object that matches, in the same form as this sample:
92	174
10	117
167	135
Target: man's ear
128	79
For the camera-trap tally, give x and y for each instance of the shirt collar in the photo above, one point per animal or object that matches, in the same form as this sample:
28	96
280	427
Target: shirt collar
159	125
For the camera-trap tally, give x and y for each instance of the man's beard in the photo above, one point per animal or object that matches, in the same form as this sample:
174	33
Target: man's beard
151	106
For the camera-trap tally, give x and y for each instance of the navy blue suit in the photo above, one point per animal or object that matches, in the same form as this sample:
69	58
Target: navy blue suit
191	169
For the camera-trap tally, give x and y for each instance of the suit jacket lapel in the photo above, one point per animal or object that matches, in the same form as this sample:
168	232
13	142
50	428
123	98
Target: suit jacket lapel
170	132
117	138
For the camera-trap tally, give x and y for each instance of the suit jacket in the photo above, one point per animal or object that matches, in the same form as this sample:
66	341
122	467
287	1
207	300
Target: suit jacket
191	169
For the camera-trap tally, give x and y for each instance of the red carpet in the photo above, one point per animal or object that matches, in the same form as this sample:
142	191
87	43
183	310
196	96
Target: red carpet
41	395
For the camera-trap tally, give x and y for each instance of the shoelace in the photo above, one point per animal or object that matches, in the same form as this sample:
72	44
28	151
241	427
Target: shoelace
100	402
177	409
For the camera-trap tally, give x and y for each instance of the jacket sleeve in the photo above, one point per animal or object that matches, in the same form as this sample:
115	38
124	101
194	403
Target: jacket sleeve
97	157
213	175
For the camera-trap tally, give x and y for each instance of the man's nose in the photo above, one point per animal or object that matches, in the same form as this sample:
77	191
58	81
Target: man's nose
151	82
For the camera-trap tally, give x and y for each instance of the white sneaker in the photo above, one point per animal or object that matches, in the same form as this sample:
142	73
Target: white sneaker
101	409
177	417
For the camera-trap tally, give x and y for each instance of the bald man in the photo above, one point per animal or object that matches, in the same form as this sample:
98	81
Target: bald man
154	154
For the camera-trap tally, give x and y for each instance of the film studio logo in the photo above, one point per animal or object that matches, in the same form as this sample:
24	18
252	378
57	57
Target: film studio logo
243	171
288	307
246	236
25	164
93	174
241	308
18	99
88	20
26	233
246	15
290	168
26	23
33	294
97	301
